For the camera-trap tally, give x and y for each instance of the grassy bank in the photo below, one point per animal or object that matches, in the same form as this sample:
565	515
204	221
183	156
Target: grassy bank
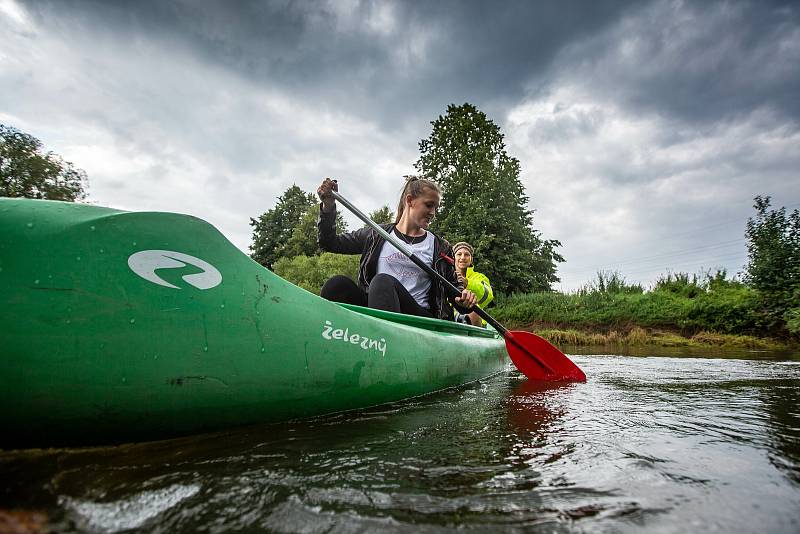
637	337
679	311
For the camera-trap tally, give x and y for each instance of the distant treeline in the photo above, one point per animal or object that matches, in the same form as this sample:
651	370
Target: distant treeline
676	302
765	303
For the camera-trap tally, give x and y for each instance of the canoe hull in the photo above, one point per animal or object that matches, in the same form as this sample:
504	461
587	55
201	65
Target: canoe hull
123	326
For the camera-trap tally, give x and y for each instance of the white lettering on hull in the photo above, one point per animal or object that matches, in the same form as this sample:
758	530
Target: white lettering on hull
328	332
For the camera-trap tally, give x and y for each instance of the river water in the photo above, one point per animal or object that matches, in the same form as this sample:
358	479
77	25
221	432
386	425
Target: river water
649	443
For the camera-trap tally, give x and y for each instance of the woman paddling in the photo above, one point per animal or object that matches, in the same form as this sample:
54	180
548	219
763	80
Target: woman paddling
387	279
476	282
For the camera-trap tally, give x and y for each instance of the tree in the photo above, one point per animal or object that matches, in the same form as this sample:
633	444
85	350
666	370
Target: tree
773	267
484	201
310	272
273	228
303	240
289	229
382	215
27	171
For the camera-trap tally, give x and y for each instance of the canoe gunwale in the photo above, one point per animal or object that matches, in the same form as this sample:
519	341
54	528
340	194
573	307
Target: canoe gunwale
425	323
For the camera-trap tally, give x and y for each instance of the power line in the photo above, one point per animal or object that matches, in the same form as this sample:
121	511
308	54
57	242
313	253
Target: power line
709	261
686	264
666	255
788	207
651	275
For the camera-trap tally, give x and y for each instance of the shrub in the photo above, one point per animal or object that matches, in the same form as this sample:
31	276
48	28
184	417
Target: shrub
310	272
689	303
610	282
679	284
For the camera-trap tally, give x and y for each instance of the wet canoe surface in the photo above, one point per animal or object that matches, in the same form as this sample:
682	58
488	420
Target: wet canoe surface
121	326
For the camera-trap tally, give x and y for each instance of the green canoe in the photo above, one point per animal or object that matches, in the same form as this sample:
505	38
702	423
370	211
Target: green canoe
119	326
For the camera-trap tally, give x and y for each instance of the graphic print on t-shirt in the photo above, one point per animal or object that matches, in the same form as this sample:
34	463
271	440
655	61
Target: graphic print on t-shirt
401	267
396	264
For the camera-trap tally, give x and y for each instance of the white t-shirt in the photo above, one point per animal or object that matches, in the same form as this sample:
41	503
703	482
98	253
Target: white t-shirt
393	262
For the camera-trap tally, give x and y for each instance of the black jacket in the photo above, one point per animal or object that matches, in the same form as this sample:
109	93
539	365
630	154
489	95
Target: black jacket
368	243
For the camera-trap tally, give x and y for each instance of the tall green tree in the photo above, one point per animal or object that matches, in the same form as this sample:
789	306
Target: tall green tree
26	170
303	239
773	267
484	201
272	229
382	215
289	229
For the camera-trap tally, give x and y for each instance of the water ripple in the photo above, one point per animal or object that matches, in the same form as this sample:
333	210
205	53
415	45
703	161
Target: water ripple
129	513
647	443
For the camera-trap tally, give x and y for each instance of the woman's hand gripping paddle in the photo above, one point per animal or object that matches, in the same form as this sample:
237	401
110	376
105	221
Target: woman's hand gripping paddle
535	357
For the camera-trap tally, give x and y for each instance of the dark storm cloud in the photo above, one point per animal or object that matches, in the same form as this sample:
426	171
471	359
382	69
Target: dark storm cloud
633	121
431	53
698	61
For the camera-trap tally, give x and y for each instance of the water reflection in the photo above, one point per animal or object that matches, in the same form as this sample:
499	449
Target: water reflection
531	409
719	352
782	403
646	443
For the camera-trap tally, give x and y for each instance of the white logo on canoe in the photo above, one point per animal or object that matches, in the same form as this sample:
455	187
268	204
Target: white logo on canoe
328	332
145	263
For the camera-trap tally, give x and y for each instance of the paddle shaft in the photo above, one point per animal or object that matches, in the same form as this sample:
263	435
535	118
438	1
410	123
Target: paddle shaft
453	290
554	369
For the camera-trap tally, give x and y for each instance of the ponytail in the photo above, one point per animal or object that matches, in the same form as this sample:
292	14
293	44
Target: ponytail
414	186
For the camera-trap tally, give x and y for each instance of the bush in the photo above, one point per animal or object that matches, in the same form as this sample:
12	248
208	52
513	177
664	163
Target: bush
773	268
792	316
310	272
610	282
688	303
679	284
732	310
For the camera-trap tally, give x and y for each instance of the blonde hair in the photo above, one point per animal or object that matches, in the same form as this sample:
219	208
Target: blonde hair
414	186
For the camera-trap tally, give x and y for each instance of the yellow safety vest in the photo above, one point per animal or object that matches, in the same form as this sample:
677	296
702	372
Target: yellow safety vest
479	284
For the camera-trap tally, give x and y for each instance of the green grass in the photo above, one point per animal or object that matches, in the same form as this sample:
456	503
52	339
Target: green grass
679	311
637	336
727	311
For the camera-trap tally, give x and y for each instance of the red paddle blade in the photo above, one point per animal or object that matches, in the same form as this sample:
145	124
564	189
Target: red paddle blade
537	359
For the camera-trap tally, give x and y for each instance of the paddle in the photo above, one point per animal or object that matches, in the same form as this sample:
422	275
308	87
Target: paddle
535	357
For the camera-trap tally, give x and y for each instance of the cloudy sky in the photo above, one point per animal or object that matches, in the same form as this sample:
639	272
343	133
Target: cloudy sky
644	129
